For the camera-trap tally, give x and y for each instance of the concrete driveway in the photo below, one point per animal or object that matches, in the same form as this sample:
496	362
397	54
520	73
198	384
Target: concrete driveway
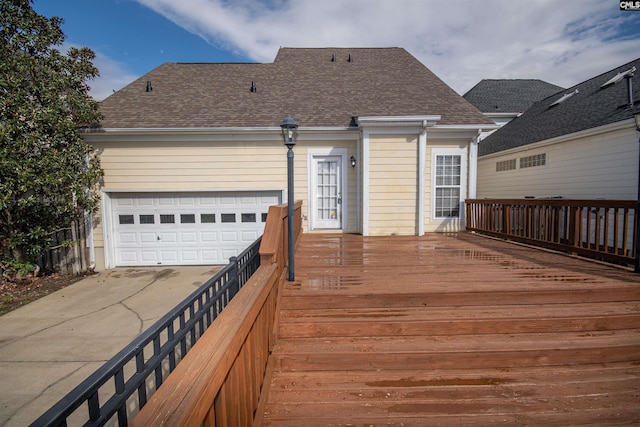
50	345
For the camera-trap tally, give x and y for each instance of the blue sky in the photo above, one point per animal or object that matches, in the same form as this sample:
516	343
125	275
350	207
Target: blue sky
561	41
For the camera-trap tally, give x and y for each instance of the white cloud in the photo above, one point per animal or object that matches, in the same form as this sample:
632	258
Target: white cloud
113	76
462	41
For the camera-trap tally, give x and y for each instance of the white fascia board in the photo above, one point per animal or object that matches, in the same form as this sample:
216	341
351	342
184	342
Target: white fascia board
397	120
477	127
216	134
459	131
612	127
498	115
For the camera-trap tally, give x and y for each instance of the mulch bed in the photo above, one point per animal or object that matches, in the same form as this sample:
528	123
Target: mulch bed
14	295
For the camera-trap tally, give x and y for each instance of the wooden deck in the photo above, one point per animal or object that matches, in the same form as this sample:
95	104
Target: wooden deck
452	330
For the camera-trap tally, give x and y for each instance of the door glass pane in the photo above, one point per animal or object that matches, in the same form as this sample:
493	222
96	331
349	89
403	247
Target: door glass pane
327	181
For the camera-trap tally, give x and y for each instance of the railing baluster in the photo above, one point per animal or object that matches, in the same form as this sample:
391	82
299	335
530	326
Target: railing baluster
597	228
94	406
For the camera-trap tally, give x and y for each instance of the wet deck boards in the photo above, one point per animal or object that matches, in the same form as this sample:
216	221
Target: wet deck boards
452	330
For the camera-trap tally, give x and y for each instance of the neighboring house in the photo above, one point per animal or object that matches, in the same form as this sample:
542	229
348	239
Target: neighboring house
580	143
503	100
193	155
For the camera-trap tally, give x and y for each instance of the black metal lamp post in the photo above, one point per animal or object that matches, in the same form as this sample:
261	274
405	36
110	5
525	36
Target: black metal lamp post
289	133
636	117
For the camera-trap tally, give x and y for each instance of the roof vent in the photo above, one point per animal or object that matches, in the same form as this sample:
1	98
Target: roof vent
253	89
149	88
615	79
333	58
564	98
350	58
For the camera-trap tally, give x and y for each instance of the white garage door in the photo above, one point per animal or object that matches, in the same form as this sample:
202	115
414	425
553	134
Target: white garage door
187	228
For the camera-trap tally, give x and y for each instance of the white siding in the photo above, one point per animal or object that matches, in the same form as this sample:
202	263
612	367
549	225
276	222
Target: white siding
601	166
234	165
393	168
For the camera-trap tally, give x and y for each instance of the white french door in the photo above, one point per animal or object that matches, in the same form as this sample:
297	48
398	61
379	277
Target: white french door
327	192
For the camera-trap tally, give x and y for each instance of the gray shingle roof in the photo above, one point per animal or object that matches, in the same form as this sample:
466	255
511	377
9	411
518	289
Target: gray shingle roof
508	96
591	107
304	83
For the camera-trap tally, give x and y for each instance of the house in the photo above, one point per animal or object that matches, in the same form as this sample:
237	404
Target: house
193	154
580	143
502	100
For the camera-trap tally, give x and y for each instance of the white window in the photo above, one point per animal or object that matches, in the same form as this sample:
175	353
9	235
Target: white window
533	161
448	183
506	165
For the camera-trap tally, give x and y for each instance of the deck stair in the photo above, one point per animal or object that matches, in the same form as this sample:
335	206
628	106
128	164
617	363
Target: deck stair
452	330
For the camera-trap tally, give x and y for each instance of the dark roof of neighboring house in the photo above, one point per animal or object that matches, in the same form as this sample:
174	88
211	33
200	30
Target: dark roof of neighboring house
304	83
508	96
592	106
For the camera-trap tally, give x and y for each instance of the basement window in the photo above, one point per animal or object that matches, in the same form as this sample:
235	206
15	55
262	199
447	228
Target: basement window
506	165
533	161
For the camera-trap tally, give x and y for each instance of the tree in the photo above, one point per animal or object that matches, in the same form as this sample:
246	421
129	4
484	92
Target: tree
47	170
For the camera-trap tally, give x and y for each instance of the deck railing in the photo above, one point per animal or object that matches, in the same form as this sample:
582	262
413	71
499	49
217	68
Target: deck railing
600	229
220	382
118	389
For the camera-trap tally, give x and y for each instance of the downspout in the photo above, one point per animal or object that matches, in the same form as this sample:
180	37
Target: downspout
422	173
89	231
473	166
92	249
359	184
365	182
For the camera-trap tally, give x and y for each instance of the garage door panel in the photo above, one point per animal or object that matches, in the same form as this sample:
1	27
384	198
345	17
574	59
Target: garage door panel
124	201
169	256
168	238
189	237
128	256
148	238
210	256
150	256
187	201
127	238
186	228
249	236
228	253
229	237
189	256
208	237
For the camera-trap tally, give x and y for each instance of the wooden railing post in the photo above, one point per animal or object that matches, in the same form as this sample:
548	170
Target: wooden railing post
558	224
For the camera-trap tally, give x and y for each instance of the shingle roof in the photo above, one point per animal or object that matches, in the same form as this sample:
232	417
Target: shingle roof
304	83
508	96
592	106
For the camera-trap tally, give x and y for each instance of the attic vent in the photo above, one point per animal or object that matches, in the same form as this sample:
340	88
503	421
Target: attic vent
333	58
149	88
253	89
615	79
564	98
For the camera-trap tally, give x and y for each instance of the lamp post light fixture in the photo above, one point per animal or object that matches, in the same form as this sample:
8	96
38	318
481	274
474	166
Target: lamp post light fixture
353	162
289	134
636	118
